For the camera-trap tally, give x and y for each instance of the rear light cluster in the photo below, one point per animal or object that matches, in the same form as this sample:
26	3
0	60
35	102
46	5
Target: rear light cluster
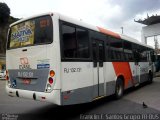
50	81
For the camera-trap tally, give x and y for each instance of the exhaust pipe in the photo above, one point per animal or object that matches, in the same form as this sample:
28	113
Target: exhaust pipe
34	96
17	94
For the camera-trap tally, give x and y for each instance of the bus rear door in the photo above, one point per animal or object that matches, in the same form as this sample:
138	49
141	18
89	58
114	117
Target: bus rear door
98	67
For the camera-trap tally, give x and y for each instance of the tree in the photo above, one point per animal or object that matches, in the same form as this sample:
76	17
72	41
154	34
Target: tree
4	13
4	17
5	21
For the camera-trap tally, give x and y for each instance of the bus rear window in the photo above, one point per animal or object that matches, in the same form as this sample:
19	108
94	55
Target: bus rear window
31	32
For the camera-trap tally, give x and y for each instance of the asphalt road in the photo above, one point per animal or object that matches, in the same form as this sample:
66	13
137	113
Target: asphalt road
129	107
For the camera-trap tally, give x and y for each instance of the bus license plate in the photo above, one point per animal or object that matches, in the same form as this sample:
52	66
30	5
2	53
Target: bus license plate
26	81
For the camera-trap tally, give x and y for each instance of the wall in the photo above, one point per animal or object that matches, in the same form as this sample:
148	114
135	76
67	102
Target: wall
149	31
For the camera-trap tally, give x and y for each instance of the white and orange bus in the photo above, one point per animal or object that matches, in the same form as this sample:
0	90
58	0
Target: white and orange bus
57	59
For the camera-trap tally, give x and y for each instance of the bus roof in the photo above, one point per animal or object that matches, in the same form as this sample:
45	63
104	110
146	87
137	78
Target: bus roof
31	17
101	30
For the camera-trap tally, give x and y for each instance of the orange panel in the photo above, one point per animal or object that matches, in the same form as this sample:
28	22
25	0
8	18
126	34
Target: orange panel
108	32
123	68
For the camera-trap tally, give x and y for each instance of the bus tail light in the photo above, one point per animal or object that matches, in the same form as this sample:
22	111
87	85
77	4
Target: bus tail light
48	87
50	80
52	73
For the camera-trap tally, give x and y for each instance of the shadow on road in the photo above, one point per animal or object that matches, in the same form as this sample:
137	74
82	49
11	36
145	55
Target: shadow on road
64	112
71	111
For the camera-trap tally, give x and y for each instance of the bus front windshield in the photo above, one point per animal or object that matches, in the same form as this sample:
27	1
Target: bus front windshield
31	32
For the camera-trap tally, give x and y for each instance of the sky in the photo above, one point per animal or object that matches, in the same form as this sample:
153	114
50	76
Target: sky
109	14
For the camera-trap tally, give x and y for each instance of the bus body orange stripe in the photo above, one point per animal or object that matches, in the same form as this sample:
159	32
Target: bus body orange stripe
108	32
123	68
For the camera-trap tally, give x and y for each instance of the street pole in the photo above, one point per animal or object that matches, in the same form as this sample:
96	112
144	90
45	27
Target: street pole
122	29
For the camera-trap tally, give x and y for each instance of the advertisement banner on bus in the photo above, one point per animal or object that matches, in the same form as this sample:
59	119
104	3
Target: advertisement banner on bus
22	34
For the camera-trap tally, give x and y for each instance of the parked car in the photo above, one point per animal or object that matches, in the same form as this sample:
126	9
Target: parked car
2	74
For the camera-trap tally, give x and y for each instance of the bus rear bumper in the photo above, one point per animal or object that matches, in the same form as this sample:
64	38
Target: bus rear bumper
53	97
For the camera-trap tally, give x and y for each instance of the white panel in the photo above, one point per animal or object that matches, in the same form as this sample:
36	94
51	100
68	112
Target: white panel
77	22
133	68
101	75
76	75
33	54
109	72
151	30
53	97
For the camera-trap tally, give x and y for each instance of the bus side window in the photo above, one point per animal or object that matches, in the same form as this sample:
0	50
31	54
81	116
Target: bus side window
143	53
75	42
116	49
69	41
136	55
128	53
83	43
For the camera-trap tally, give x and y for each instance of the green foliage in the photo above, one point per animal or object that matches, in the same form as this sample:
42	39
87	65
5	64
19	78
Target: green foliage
4	13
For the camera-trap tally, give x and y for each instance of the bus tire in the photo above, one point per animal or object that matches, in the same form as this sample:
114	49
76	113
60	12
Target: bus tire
150	77
119	88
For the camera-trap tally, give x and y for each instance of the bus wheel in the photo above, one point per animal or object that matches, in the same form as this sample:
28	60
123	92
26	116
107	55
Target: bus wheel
119	88
150	77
